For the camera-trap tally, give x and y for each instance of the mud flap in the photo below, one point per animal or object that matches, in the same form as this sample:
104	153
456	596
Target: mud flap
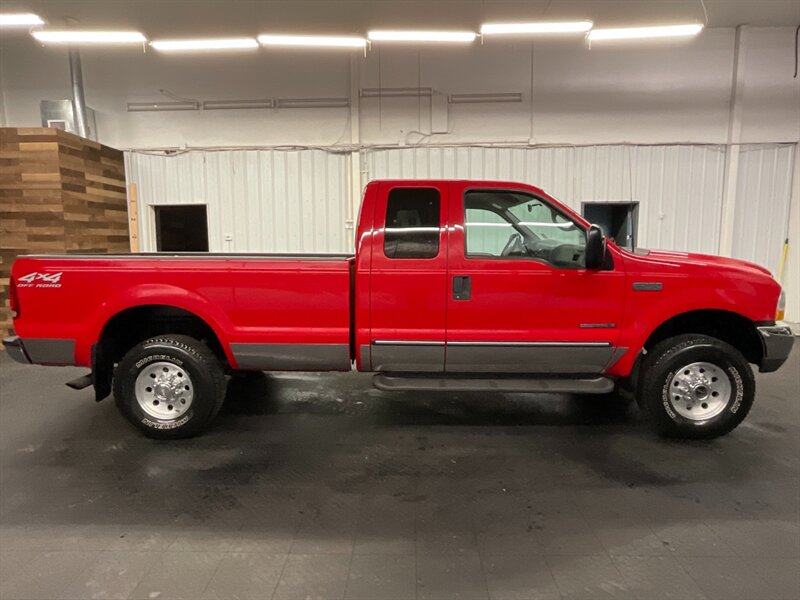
102	372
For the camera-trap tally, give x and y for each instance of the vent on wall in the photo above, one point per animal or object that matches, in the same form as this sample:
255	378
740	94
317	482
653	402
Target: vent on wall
58	115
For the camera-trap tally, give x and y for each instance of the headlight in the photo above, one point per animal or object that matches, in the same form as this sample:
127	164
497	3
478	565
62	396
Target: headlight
780	310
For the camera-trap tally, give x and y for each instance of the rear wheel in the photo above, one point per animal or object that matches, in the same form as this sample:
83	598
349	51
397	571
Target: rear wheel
696	386
170	386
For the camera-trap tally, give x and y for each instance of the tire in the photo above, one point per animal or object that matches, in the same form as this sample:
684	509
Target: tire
695	387
169	387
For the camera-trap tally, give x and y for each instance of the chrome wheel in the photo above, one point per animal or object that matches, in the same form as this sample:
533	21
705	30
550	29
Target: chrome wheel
164	390
699	391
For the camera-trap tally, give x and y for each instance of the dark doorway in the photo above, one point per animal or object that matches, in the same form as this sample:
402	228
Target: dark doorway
181	229
618	220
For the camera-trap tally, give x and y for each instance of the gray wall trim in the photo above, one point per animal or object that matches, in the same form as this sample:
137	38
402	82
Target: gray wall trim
292	357
48	351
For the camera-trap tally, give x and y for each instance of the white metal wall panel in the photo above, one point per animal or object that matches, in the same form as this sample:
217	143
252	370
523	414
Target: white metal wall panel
257	200
295	201
679	188
763	195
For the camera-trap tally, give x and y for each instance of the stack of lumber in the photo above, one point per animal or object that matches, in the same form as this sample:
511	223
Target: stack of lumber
59	193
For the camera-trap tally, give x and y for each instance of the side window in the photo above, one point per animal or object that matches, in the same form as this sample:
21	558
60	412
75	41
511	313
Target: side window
412	223
487	232
516	225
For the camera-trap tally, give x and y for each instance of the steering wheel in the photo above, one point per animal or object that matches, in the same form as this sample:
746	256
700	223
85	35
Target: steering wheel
514	244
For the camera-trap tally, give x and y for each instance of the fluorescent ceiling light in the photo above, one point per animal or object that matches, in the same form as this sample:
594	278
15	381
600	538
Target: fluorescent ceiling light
89	37
20	20
329	41
484	98
635	33
237	104
208	44
421	36
162	106
535	28
404	92
312	102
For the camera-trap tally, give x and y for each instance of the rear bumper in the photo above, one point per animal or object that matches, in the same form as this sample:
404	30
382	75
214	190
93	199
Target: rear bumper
16	349
777	341
41	351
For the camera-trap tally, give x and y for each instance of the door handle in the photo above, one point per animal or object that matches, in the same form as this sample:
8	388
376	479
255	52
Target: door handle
462	287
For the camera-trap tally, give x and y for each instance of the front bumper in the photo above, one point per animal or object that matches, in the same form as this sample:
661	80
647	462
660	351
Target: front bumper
16	349
777	341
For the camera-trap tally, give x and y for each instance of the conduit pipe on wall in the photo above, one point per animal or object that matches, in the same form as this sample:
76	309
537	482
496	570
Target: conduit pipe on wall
78	99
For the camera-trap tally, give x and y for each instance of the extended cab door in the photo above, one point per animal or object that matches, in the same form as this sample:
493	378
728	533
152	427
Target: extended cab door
519	297
408	277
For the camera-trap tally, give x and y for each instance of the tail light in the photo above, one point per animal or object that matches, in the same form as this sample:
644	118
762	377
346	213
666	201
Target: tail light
13	299
780	310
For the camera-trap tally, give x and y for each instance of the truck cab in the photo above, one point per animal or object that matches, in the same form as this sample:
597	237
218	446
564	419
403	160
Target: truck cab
483	278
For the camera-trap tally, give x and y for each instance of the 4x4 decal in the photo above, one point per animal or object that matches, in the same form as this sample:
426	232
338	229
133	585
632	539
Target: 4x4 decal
40	280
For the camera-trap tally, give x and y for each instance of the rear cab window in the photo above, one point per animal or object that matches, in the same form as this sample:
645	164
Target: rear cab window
411	229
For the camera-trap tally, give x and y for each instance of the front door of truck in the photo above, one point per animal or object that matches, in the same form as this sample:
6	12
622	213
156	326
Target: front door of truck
519	297
408	277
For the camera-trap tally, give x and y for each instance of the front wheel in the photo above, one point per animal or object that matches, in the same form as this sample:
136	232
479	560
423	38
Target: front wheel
170	386
696	387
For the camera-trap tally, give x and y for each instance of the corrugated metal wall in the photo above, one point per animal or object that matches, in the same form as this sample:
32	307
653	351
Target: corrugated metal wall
257	200
679	188
763	195
296	200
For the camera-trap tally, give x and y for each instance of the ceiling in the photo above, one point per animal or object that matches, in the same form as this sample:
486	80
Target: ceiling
160	18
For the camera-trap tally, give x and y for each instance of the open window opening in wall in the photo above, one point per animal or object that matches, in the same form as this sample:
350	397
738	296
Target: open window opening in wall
412	223
181	228
618	220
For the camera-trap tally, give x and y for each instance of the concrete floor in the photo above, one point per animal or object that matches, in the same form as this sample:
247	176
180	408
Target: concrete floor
322	487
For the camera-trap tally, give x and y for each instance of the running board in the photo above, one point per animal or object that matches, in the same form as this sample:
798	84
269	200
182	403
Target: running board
81	382
556	385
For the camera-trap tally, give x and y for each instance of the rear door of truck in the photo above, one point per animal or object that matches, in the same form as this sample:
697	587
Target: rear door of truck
408	279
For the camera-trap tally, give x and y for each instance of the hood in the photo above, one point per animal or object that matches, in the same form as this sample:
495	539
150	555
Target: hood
700	260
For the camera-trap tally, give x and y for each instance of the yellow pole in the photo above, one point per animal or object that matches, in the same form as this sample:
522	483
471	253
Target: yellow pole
784	252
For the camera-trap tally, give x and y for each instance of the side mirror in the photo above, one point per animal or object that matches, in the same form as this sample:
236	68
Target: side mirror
595	248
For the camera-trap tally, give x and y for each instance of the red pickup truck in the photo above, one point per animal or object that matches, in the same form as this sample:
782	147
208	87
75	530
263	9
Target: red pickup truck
454	285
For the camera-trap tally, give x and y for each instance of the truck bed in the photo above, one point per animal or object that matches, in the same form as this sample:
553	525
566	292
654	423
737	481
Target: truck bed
273	311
